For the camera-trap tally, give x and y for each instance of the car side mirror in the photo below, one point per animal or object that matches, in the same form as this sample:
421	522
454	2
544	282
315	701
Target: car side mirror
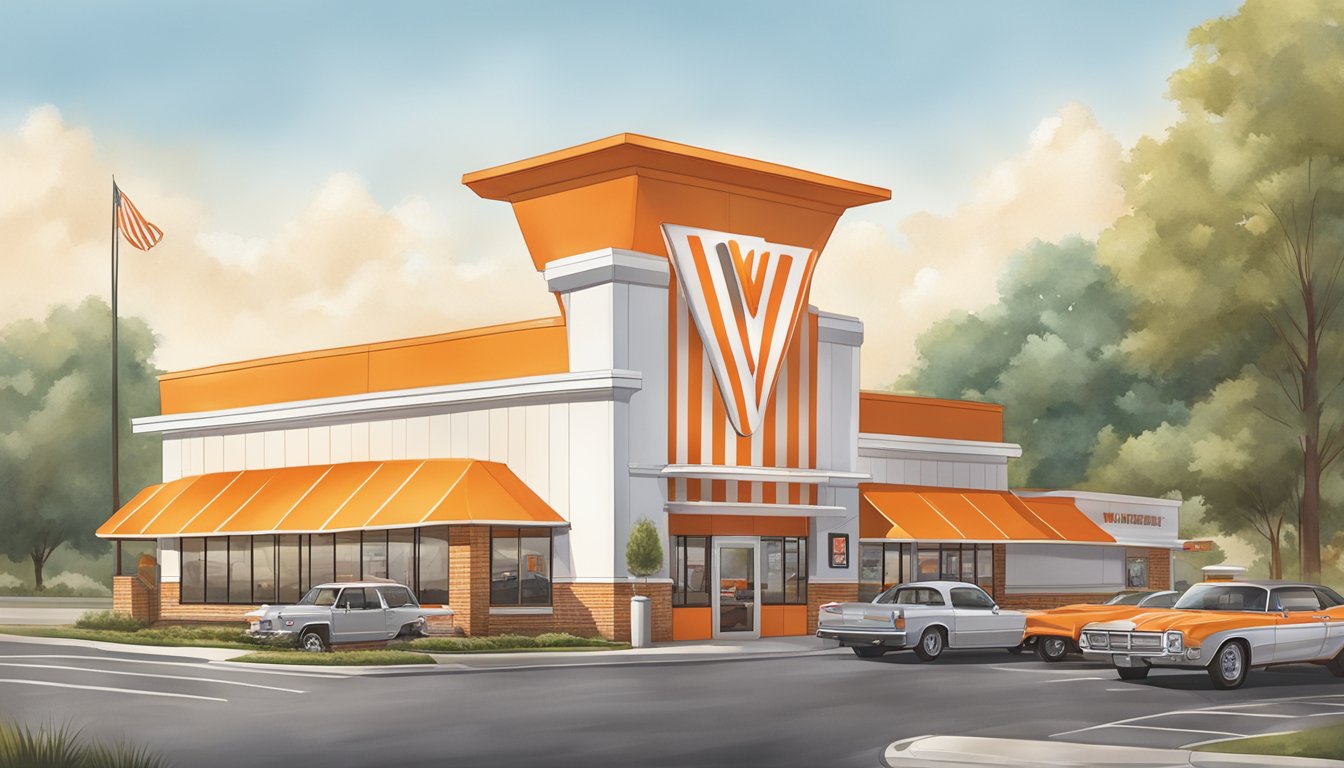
994	608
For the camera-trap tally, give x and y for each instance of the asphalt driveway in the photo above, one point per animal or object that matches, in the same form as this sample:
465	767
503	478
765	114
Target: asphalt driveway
820	708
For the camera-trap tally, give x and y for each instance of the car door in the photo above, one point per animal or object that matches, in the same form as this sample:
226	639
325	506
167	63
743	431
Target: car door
357	616
1334	622
401	609
978	624
1299	629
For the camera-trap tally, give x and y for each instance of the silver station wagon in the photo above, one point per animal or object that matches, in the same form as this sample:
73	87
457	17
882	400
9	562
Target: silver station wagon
926	617
344	612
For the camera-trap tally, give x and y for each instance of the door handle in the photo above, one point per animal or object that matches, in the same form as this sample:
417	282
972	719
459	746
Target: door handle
1322	618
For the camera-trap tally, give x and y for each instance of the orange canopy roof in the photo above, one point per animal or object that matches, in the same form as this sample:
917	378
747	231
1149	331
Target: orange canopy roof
919	513
332	497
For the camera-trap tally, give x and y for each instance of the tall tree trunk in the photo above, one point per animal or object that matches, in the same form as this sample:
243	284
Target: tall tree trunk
39	562
1309	522
1275	556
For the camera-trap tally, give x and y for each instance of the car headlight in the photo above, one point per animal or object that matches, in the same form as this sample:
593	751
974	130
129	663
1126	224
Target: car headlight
1097	640
1174	641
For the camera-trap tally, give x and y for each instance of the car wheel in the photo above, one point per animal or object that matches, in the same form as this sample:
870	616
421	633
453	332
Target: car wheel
931	644
312	641
1132	673
1229	667
1336	665
1052	649
868	651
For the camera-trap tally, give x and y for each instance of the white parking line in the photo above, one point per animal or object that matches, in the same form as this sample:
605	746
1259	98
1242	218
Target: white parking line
1072	680
1039	671
150	674
132	691
174	664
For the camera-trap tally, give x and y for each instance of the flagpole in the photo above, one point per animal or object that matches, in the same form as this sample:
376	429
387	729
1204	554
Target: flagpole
116	469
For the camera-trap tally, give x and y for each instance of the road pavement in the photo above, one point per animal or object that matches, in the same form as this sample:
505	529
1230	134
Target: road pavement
818	708
49	611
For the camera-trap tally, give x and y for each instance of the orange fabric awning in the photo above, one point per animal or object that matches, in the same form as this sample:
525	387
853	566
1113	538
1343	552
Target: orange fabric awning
920	513
332	497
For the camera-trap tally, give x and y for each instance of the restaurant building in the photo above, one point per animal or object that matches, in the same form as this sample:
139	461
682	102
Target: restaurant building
686	380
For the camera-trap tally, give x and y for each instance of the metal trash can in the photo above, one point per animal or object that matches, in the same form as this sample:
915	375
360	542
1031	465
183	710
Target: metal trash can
641	622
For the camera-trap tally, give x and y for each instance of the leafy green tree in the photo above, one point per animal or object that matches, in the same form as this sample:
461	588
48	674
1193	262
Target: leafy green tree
1231	263
1051	350
55	432
644	550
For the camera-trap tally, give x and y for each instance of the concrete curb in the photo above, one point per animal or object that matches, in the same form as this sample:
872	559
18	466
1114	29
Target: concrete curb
968	751
192	651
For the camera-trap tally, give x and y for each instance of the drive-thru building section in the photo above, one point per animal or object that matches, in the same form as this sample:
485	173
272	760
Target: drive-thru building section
687	380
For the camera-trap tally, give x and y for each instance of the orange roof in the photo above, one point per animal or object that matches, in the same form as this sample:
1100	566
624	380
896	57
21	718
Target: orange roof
920	513
1064	516
885	413
617	192
513	350
332	497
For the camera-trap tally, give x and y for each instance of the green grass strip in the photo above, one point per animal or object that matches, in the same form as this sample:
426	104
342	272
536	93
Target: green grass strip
1326	743
337	658
550	641
180	637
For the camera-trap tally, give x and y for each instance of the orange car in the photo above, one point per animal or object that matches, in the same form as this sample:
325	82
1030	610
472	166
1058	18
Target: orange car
1054	633
1226	628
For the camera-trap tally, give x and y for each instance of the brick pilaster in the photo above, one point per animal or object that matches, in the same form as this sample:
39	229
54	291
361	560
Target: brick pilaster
819	594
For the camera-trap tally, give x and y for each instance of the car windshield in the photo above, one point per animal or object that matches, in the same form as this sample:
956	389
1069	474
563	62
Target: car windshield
319	596
1127	598
1223	597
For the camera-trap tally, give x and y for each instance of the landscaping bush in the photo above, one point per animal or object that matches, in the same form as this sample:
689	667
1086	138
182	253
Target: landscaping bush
23	747
508	643
110	620
336	658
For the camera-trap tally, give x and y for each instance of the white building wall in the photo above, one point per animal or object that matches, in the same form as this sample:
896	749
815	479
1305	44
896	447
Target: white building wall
987	474
1064	568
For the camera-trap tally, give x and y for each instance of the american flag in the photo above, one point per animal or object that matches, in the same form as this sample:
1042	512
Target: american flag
137	231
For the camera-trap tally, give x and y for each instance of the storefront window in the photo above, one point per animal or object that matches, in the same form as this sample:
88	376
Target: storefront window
290	566
432	579
690	580
193	571
240	569
927	569
321	559
347	556
870	571
263	569
1136	572
785	565
881	567
401	556
374	555
217	570
520	572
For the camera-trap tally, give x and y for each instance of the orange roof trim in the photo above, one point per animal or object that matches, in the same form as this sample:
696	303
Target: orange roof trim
886	413
508	351
920	513
332	497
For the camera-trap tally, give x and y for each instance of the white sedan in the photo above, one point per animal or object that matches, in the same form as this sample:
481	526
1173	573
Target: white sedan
926	616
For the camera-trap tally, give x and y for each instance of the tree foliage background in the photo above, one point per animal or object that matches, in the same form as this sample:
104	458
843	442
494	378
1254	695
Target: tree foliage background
1192	350
55	429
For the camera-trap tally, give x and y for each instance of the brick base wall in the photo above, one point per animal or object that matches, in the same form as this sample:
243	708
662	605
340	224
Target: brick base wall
1159	569
132	597
171	609
820	594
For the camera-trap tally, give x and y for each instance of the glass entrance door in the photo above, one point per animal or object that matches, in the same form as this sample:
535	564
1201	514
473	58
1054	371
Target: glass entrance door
737	575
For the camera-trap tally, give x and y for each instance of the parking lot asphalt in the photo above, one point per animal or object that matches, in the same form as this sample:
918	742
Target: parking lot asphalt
823	708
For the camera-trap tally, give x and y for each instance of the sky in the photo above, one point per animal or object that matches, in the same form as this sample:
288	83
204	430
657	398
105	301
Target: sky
305	158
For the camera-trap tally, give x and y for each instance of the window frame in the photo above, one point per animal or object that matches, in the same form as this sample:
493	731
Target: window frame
680	562
800	555
518	554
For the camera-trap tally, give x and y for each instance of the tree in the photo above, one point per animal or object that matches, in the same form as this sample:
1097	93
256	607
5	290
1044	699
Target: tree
1215	209
1050	350
1308	376
55	437
644	550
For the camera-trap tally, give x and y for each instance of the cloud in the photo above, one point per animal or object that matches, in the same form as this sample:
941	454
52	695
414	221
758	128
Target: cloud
342	270
1065	183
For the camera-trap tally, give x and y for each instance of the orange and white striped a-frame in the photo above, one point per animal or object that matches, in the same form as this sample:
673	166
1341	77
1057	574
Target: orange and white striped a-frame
745	296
